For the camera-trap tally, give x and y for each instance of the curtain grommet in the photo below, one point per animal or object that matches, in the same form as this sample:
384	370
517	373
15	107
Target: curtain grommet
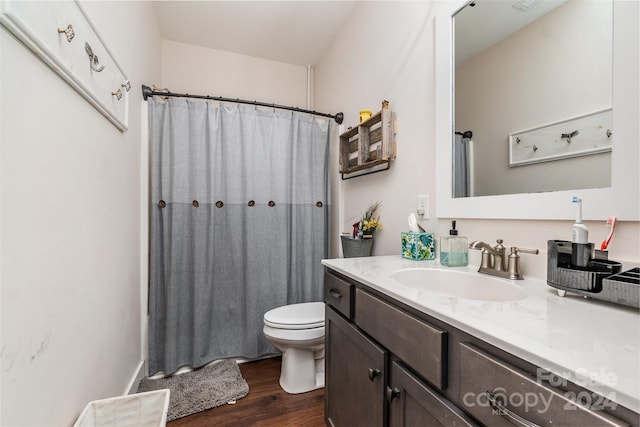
219	204
162	204
195	203
272	203
251	203
319	204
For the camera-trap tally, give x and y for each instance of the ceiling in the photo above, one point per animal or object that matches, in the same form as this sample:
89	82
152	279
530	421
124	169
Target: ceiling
294	32
300	32
489	21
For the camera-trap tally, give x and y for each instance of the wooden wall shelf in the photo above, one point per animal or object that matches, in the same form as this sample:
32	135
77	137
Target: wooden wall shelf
369	145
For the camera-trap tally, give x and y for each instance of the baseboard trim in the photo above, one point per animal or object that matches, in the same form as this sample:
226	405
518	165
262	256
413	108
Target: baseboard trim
138	374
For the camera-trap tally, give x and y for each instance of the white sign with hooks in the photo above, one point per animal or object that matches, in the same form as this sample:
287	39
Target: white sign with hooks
578	136
61	35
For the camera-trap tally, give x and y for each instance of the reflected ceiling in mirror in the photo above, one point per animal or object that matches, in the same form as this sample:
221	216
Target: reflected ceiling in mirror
520	68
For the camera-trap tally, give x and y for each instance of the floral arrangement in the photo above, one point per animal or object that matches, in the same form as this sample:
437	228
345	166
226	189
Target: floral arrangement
368	223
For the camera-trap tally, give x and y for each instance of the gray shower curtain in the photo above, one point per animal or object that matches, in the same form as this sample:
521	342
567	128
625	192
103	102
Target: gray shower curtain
461	166
239	220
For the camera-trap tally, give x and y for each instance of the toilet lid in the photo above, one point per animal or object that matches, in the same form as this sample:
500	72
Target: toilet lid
296	316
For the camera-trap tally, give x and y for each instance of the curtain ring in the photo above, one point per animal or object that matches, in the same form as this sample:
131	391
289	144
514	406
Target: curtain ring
195	203
219	204
251	203
319	204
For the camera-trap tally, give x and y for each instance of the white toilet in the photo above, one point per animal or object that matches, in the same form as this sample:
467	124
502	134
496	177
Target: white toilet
297	330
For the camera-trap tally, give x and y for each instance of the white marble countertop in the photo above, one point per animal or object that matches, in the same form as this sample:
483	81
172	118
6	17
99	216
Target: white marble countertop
593	344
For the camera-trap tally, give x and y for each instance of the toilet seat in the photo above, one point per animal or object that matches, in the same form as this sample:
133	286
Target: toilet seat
306	315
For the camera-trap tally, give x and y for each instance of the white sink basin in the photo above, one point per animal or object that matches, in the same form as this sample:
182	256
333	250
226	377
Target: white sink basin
459	284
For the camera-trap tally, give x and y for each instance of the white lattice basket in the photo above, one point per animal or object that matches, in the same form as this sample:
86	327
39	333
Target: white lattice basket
135	410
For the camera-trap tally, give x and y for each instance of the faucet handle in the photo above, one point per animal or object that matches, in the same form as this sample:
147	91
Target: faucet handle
515	250
514	261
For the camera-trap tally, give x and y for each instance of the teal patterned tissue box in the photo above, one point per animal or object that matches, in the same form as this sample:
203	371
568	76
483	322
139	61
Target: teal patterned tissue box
418	246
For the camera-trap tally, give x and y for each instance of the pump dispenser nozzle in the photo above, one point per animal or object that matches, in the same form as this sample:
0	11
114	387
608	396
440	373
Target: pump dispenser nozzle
453	231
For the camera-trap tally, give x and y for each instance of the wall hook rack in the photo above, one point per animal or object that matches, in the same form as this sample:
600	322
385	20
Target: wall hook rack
576	136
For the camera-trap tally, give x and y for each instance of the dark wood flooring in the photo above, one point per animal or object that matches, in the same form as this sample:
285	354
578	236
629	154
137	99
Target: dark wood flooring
266	405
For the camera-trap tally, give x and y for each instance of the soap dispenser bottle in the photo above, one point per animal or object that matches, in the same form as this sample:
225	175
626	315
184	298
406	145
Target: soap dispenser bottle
454	249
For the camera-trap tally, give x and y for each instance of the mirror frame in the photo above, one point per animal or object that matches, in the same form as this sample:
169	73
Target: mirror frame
621	199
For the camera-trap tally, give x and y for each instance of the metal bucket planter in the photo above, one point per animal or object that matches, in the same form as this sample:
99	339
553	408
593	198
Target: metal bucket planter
352	248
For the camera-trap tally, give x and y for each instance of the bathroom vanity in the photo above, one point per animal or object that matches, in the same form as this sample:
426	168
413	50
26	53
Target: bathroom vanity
405	353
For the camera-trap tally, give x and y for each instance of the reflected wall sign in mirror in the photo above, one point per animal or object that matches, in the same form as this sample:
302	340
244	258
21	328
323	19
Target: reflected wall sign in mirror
616	90
532	65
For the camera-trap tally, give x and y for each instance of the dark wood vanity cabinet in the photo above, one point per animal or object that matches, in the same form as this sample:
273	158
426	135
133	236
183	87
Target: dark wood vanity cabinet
414	403
389	365
369	346
355	374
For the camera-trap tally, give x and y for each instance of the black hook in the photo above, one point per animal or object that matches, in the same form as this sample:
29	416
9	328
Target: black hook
568	136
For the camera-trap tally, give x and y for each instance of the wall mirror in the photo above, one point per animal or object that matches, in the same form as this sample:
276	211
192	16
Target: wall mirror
518	100
532	65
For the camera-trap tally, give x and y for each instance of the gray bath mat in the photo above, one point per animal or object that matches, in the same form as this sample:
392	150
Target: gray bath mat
199	390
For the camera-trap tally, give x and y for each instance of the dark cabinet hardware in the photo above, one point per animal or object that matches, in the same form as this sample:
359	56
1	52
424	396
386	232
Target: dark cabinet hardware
335	293
392	393
514	418
373	373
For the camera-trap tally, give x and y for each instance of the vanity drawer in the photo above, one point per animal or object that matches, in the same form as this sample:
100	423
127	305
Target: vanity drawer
420	345
499	394
338	293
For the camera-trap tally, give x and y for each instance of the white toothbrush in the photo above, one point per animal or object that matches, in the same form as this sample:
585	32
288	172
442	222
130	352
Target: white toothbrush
580	231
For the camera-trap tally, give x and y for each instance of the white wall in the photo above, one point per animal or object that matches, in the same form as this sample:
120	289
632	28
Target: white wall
71	213
557	67
387	51
202	71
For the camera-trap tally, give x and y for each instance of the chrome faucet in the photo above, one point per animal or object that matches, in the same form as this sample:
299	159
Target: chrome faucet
495	263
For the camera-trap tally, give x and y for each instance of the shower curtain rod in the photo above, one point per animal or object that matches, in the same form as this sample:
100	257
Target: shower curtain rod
466	134
147	92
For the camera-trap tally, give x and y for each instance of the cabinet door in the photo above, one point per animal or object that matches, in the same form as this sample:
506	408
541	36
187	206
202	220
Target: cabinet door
413	403
355	375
